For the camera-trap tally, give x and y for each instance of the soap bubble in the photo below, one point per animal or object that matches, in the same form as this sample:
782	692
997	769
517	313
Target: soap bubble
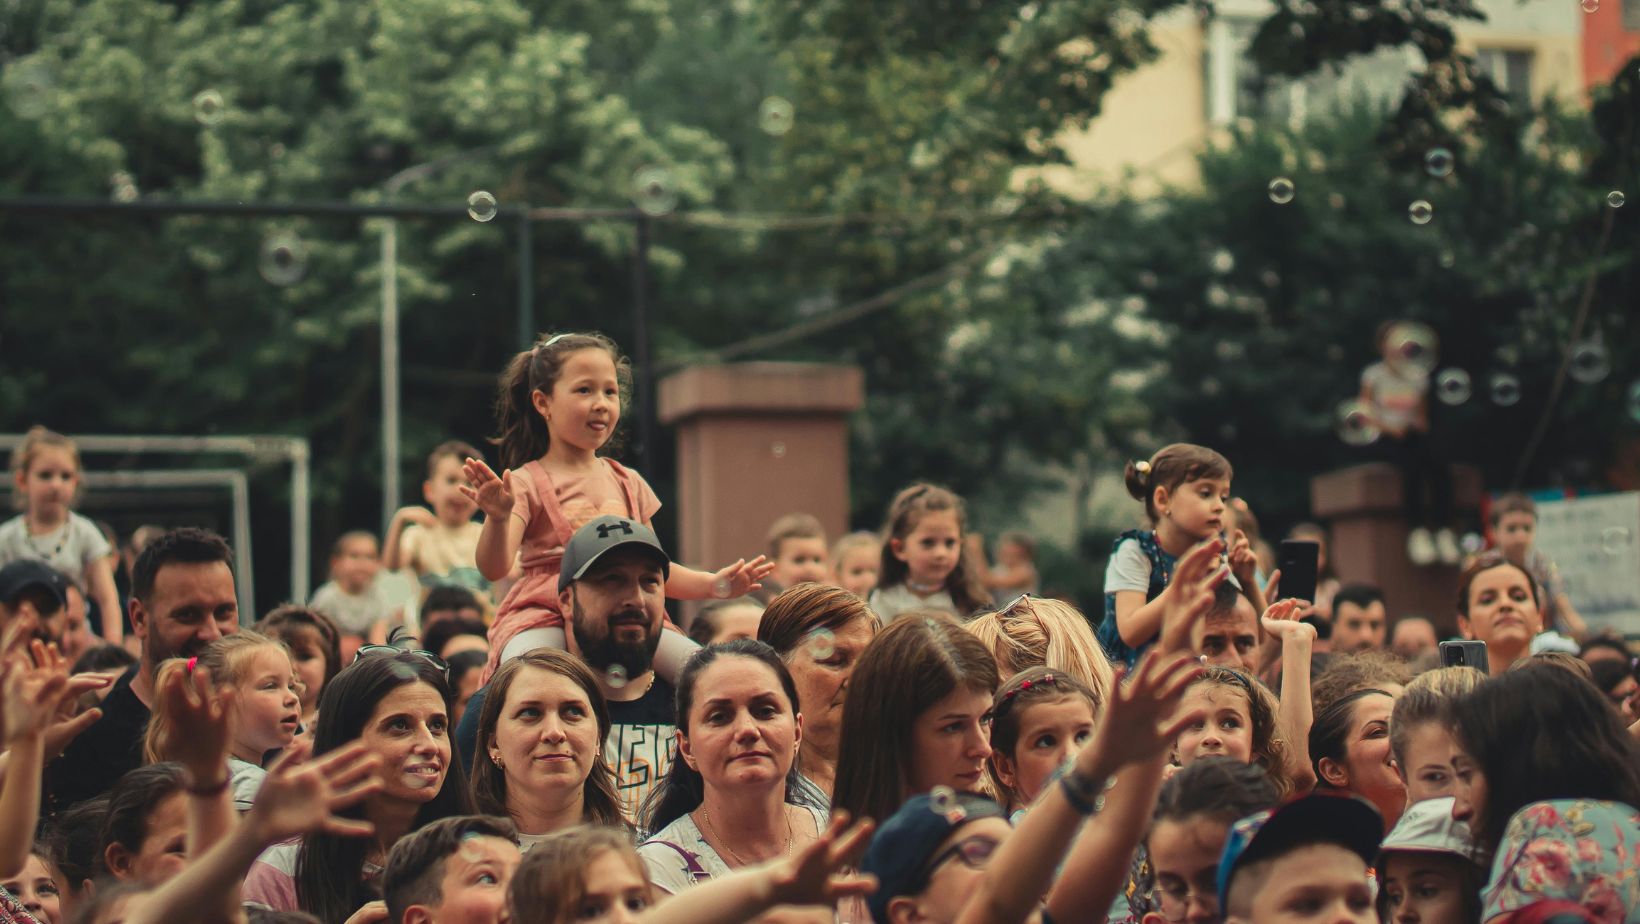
942	799
401	670
1447	259
1438	162
721	588
778	449
1505	389
1223	261
1453	387
1615	198
1614	540
615	676
653	191
1281	190
208	107
471	850
1355	424
775	115
1412	345
1420	211
1590	362
1471	543
30	88
283	260
481	206
1589	6
822	644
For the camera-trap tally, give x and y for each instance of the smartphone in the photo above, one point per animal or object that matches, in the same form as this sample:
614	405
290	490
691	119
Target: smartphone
1464	654
1298	563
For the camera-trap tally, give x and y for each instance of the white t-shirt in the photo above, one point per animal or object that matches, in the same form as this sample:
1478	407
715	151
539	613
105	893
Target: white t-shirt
889	602
70	548
353	614
669	869
1128	568
1397	395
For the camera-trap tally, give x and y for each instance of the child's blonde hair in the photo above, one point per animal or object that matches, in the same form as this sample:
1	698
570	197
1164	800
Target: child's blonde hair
550	883
225	658
36	439
855	540
1037	631
904	513
524	436
1270	749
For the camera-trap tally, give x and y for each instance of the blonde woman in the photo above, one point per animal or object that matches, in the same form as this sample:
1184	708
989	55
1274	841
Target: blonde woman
1039	632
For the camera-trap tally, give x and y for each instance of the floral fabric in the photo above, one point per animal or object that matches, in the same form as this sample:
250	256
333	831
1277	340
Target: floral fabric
1574	850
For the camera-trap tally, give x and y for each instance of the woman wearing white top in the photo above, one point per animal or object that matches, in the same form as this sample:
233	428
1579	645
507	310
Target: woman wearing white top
730	801
540	759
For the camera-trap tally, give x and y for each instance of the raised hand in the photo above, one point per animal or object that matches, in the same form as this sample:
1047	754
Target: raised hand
198	729
1282	620
492	494
33	692
299	795
742	577
1189	594
1140	723
814	875
417	514
1243	560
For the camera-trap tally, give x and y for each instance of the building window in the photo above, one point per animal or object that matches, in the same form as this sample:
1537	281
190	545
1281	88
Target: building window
1234	87
1510	70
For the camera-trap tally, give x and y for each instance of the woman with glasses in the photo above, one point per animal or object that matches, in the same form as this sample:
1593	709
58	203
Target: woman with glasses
820	631
540	748
730	800
398	703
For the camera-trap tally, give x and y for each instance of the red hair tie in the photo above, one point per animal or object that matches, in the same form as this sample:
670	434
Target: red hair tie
192	663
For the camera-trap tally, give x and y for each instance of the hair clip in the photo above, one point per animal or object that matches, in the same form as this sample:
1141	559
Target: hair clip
1046	679
1143	468
193	662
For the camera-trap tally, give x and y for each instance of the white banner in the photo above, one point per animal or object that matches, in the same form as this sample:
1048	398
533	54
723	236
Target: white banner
1594	541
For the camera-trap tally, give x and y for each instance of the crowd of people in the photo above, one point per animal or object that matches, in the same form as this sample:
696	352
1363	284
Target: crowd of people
888	729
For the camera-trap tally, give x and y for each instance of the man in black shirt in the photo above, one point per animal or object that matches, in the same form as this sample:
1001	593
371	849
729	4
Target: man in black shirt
182	599
612	588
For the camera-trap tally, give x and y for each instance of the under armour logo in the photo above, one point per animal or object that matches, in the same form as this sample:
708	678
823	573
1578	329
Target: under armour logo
604	529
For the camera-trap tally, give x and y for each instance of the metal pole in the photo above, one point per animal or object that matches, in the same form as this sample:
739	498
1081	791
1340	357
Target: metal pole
299	517
390	372
526	282
244	578
642	386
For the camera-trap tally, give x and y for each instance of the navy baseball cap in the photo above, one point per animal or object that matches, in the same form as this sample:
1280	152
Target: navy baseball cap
602	536
1315	818
25	573
900	850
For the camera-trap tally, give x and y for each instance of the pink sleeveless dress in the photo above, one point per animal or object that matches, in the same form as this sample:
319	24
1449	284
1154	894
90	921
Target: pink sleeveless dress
532	603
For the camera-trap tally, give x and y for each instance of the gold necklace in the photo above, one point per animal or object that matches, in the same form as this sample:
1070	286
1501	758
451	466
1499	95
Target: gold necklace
707	817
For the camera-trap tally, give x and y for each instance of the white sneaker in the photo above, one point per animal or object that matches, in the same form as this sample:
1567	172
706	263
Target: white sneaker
1421	547
1446	546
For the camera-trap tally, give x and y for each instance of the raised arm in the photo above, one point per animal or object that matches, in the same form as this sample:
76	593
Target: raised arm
30	694
99	581
1297	712
812	876
735	580
503	522
392	544
1139	726
198	736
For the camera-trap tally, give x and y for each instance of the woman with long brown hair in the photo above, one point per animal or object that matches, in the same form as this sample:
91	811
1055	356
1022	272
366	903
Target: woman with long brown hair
541	743
820	631
918	715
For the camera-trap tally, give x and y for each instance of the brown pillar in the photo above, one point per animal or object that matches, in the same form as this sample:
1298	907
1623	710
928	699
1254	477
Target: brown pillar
757	441
1362	505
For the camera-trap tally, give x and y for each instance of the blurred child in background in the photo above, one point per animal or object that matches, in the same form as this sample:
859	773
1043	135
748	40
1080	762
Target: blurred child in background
351	597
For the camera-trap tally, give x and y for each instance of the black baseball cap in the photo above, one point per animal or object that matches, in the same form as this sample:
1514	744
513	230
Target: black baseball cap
1316	818
25	573
602	536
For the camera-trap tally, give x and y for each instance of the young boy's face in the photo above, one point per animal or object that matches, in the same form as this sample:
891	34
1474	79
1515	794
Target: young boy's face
857	572
1321	882
1012	553
802	560
443	493
354	564
474	887
1515	532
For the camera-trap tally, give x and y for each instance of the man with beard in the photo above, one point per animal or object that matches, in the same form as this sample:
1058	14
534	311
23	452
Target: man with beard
182	599
612	583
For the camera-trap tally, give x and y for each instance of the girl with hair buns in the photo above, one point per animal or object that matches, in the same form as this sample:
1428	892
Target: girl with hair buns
820	632
1185	489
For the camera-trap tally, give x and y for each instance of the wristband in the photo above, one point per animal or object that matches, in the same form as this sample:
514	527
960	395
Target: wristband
1085	795
209	789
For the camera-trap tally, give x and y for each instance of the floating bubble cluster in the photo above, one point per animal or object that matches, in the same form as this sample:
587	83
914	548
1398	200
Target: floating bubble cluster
1420	212
1438	162
1505	389
1355	424
1453	387
1412	346
1281	190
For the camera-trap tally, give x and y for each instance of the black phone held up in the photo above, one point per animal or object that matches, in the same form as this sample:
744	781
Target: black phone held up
1464	653
1297	561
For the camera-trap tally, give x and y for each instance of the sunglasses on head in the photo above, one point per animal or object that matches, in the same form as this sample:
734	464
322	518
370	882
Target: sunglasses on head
396	645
